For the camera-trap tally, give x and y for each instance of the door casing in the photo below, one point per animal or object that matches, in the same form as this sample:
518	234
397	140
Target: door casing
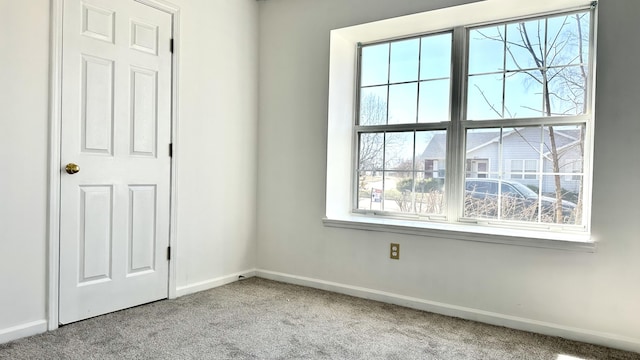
55	172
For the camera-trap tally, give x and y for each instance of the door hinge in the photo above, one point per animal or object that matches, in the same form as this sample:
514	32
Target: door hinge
168	253
171	150
171	46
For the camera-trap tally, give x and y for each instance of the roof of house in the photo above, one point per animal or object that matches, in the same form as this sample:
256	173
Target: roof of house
436	148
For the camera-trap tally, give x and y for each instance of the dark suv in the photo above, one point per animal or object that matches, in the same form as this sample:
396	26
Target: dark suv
518	202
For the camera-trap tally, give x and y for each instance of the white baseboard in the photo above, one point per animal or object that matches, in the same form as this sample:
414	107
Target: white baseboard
514	322
23	330
212	283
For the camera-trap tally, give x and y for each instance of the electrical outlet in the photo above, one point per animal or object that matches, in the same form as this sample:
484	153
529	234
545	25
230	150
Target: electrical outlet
394	251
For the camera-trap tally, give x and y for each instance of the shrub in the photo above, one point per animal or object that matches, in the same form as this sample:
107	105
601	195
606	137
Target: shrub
422	185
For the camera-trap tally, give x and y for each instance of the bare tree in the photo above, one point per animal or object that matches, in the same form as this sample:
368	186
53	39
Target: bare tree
373	111
383	150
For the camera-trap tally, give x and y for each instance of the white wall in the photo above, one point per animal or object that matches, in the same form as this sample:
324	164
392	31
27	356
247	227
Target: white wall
24	75
590	296
218	141
217	152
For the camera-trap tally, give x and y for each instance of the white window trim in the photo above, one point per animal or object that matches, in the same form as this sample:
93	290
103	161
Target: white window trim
532	238
341	112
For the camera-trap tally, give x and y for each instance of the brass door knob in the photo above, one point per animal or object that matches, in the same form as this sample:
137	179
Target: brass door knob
72	168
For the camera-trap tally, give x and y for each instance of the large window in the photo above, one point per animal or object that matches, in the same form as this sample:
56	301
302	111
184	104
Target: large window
485	124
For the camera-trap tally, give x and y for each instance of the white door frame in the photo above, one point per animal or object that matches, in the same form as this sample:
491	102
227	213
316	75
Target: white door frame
55	173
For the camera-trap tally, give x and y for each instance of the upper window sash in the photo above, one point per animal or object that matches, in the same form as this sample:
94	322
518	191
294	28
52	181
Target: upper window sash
398	84
551	55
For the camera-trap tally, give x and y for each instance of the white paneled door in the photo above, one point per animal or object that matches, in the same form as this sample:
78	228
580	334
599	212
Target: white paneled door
115	161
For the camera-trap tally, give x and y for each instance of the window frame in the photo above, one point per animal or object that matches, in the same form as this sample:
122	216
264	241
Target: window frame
341	111
390	128
587	118
457	125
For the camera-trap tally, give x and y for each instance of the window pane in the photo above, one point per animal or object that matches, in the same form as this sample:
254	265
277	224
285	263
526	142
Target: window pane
371	151
370	190
482	153
481	198
561	144
567	88
500	199
403	103
520	153
525	45
409	192
564	171
431	148
568	39
523	95
571	167
486	49
399	151
557	190
397	200
404	60
429	197
430	175
434	101
435	59
484	97
375	65
518	201
373	106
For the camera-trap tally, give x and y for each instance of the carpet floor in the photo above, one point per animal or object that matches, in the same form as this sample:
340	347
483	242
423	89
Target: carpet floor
262	319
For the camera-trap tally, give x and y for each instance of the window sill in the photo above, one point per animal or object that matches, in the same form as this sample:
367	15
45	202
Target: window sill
580	242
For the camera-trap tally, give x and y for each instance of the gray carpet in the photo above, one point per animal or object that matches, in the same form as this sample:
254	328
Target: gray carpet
262	319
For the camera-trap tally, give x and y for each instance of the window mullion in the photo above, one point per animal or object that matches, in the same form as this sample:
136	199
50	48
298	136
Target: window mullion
355	137
454	177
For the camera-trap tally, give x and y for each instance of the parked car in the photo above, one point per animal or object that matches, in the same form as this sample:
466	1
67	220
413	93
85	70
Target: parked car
518	202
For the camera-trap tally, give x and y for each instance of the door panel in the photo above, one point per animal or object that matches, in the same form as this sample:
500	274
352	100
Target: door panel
96	98
144	120
96	212
116	125
142	223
